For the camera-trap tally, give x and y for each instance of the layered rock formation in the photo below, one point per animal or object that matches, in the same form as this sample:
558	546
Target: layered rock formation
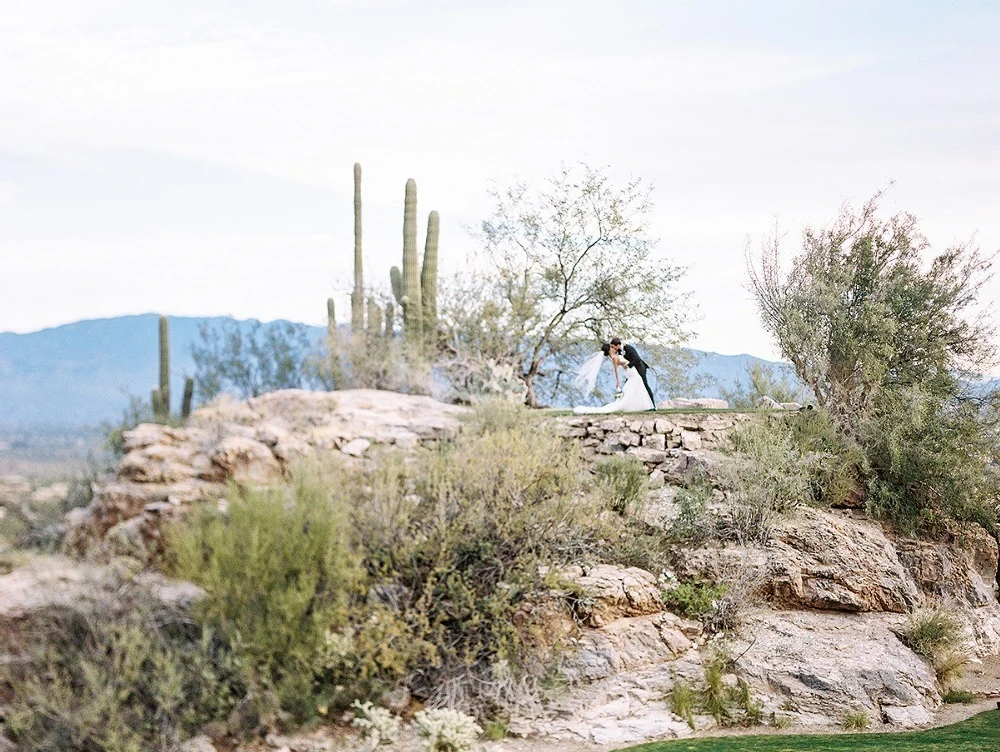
166	469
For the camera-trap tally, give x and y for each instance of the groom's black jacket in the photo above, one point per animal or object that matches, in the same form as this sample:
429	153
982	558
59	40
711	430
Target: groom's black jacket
633	359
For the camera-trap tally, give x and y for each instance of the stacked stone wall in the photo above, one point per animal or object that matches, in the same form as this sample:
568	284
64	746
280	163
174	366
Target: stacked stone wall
654	439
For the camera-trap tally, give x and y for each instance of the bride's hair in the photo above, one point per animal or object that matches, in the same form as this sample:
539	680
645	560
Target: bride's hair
606	348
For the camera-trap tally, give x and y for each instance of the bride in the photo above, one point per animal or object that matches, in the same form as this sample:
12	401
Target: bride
633	397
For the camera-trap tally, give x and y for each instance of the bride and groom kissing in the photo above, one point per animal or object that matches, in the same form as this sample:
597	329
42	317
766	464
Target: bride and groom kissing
634	396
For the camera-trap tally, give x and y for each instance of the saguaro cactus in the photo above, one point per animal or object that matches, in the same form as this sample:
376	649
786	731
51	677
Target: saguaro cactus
396	282
428	276
188	396
333	346
160	397
390	319
412	304
374	318
164	367
357	296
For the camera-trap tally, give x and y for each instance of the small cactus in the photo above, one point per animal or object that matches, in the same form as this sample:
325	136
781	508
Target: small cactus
157	399
396	282
160	397
374	318
188	397
164	366
333	345
358	295
390	323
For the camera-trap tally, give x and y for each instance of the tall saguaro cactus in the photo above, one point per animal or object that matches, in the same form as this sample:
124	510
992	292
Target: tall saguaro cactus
428	276
358	295
412	304
164	366
160	396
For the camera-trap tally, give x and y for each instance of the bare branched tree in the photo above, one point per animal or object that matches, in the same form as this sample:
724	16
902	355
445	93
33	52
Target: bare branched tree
570	260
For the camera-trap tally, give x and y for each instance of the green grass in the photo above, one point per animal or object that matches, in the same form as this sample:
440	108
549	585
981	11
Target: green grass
978	734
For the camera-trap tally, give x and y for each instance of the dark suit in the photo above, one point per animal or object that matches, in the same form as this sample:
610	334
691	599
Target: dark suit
631	356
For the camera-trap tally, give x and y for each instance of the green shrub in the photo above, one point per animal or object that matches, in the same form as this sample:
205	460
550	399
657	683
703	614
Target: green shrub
695	600
929	632
693	522
494	509
929	461
495	730
683	701
462	535
717	698
279	571
624	481
131	675
949	665
725	702
855	720
958	696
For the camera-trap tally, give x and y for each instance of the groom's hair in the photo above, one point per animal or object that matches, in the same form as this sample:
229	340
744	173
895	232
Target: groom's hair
616	341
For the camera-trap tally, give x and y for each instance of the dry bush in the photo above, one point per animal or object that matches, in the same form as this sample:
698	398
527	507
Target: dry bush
126	674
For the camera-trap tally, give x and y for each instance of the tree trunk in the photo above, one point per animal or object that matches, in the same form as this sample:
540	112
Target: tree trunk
531	399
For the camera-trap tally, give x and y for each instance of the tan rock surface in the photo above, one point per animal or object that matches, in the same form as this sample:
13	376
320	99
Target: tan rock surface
612	592
166	469
822	561
822	665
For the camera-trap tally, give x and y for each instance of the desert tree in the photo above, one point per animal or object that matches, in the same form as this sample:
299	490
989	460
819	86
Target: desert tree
250	358
568	260
893	341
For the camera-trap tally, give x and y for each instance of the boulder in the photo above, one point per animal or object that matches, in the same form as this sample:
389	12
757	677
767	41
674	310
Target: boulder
962	569
246	460
166	469
822	665
627	644
822	561
198	744
701	403
610	592
909	716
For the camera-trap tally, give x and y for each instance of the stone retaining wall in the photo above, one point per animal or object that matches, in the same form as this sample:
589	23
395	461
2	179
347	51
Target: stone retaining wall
654	439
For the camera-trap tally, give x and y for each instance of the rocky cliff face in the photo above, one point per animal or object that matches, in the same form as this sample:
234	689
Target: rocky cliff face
832	589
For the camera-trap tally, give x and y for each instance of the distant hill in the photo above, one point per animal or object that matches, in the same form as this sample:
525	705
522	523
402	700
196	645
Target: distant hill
82	374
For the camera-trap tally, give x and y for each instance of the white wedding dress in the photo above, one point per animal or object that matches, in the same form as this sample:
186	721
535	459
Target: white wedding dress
634	398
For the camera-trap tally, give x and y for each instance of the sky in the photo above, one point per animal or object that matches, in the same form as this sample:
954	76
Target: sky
195	158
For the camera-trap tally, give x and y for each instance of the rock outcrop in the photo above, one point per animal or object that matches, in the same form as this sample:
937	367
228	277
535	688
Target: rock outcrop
165	469
816	667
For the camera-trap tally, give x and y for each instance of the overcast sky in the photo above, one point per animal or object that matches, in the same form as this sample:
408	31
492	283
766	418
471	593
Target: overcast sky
195	158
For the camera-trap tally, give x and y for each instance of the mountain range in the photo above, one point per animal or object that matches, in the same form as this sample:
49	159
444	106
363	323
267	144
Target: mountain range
84	373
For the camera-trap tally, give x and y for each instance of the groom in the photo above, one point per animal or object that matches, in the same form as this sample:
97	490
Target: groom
631	356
